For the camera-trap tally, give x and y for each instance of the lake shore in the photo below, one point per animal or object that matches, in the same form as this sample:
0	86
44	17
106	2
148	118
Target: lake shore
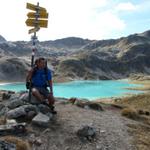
99	89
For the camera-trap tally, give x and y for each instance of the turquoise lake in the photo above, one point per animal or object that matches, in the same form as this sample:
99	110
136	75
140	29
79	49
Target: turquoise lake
84	89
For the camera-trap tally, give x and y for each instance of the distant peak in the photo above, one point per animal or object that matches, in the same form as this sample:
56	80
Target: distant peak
2	39
146	33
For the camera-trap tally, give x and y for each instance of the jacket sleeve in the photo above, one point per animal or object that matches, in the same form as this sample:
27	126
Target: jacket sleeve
29	75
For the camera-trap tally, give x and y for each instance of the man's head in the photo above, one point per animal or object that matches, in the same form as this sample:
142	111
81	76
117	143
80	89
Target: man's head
41	63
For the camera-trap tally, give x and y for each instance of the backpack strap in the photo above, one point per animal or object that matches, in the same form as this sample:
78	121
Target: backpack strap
46	74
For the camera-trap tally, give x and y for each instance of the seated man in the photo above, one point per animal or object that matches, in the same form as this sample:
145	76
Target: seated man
40	78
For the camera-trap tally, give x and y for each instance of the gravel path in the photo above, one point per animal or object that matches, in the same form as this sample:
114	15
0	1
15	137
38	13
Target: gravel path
110	126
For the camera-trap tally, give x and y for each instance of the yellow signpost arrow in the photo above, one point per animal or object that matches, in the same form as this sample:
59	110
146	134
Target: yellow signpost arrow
41	14
34	7
35	23
33	30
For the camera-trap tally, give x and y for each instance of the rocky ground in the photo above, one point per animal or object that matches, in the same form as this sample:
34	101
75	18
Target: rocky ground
62	132
110	127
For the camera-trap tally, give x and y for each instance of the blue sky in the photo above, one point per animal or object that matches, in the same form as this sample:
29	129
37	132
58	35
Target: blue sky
136	19
88	19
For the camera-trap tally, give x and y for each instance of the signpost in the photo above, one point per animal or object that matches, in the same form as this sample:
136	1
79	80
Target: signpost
37	23
37	19
34	30
41	14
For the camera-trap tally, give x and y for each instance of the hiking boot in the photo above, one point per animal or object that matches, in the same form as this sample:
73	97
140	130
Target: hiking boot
53	111
52	108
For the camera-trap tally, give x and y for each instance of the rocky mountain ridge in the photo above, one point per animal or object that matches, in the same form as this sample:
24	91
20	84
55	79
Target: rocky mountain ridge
76	58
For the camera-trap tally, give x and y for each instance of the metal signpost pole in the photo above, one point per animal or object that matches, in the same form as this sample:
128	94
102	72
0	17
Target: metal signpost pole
33	38
35	19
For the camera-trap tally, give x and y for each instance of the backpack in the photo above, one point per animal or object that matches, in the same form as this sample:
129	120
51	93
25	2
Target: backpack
28	84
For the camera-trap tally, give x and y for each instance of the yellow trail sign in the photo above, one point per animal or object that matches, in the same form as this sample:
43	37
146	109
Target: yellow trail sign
34	30
34	23
34	7
41	14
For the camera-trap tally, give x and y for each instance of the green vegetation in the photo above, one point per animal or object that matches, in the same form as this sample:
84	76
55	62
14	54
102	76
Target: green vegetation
138	108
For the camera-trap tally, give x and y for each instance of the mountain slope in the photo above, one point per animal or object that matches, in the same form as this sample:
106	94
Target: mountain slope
110	59
76	58
13	69
2	39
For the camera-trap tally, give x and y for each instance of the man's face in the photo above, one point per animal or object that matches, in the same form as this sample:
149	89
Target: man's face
41	64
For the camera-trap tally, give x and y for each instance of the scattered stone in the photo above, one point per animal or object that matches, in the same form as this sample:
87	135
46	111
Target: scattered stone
24	97
3	111
12	128
15	113
21	111
89	105
38	142
11	92
6	145
44	109
95	106
2	106
86	132
30	107
10	121
46	131
119	106
72	100
81	104
6	96
141	112
30	115
15	103
98	147
117	99
14	96
102	131
41	120
86	107
67	148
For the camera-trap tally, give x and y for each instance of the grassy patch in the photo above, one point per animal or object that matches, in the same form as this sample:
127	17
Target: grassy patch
141	135
141	101
138	108
130	113
20	144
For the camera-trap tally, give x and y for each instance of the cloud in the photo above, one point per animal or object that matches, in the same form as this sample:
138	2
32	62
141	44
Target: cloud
93	19
106	23
77	18
82	19
125	7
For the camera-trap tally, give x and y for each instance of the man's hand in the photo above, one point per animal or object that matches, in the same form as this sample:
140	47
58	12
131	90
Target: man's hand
28	84
51	93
